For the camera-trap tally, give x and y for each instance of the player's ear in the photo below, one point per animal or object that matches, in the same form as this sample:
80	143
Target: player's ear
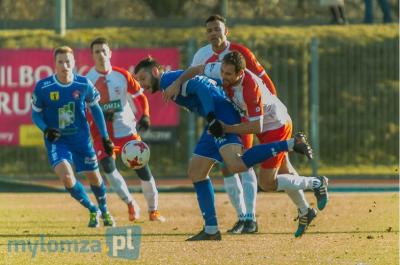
155	72
226	31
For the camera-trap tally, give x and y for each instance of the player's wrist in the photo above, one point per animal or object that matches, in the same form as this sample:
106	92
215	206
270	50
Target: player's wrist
210	117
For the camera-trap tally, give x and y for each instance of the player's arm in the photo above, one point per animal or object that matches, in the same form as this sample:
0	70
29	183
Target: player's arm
137	93
51	134
254	66
173	90
92	99
250	127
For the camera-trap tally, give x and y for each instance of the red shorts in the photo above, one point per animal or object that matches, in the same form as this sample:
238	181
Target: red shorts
118	142
280	134
247	141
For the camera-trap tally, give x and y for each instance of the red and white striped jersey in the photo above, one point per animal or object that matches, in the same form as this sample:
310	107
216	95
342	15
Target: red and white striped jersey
207	55
117	90
252	98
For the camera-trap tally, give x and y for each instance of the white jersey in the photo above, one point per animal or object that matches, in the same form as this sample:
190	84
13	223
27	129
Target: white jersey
116	89
253	98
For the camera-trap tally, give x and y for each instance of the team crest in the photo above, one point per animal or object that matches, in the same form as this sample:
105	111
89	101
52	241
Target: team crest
54	96
76	94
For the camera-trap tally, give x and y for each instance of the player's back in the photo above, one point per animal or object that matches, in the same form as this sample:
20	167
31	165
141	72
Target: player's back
192	90
63	105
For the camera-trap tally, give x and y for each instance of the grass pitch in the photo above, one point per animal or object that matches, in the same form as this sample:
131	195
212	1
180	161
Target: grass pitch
355	228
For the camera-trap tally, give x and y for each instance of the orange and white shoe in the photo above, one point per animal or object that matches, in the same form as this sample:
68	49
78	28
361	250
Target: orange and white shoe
156	216
133	211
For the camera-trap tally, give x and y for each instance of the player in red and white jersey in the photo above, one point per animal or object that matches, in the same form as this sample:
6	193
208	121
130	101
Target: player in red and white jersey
268	119
119	90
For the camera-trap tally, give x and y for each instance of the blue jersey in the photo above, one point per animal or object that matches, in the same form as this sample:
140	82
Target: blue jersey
63	106
202	96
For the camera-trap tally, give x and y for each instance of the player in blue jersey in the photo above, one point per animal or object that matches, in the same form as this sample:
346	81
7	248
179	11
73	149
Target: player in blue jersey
200	95
58	109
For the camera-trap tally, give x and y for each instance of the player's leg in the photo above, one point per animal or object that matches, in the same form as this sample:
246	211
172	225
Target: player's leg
85	161
150	193
205	155
198	171
234	189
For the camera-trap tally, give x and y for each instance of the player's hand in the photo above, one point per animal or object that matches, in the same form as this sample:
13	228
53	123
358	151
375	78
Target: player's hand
108	146
108	115
144	123
172	91
52	134
214	126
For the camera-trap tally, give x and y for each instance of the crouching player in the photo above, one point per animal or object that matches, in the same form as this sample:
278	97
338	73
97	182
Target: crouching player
58	109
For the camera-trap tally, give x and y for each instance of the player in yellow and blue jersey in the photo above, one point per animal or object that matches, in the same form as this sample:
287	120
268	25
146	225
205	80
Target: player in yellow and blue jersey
58	109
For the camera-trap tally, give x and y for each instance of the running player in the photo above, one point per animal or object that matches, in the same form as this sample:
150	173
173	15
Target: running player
58	109
117	89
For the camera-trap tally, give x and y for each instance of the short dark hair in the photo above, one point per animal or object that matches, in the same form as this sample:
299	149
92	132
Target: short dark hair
147	63
216	17
235	58
99	40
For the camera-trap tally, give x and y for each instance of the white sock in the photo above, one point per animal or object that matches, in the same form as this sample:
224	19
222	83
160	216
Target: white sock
234	188
150	193
118	184
249	182
298	198
294	182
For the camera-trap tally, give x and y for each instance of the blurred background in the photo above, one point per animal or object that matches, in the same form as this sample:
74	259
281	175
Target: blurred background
336	67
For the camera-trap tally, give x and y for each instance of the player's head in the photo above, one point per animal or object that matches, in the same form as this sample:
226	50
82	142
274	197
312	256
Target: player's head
64	60
101	53
216	30
232	68
148	72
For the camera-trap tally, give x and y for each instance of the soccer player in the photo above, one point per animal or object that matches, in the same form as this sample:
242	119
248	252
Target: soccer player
117	89
200	95
58	109
242	194
267	118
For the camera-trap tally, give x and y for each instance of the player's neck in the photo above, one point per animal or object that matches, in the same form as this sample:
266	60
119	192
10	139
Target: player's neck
221	47
103	69
65	78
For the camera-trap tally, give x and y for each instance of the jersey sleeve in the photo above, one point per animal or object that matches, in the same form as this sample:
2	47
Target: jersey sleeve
137	92
196	59
252	98
92	95
254	66
213	71
36	100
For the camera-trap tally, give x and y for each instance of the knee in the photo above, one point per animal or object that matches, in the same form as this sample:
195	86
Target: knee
144	173
108	164
268	184
194	175
68	180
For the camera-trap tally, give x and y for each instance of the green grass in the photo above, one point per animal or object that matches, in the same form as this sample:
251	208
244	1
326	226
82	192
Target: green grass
355	228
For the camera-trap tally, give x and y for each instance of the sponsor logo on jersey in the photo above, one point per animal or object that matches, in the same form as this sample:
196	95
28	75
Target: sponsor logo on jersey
66	115
112	106
54	96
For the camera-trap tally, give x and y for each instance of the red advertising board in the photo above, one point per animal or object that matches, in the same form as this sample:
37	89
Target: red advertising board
21	69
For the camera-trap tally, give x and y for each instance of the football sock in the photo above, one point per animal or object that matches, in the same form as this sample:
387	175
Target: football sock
100	194
78	193
118	185
262	152
205	197
298	198
150	193
233	188
294	182
249	182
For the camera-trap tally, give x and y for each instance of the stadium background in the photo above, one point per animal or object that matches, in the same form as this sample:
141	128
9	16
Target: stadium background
340	83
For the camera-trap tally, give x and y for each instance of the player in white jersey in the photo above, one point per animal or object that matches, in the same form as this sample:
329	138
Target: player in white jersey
242	193
268	119
118	89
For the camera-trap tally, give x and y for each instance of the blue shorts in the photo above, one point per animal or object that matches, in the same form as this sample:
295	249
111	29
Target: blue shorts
208	146
82	155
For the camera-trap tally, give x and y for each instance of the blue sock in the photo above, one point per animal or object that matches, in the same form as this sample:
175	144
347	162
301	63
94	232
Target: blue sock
100	194
262	152
78	193
205	197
